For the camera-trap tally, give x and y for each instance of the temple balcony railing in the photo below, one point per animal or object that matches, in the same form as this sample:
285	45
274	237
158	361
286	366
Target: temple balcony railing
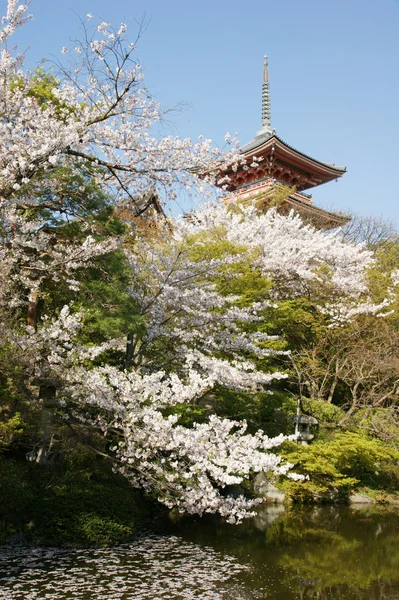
268	183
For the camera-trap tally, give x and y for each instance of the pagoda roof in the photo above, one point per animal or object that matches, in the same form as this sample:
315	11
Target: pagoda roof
297	201
261	139
265	143
319	217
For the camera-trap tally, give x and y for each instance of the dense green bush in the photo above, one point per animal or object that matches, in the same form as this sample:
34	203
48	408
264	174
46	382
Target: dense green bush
102	531
327	414
10	429
272	412
338	463
56	505
16	495
81	511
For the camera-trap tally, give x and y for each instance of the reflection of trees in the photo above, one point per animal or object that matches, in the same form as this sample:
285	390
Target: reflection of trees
321	553
380	591
339	554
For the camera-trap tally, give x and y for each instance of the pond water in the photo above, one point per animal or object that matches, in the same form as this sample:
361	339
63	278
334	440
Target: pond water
320	553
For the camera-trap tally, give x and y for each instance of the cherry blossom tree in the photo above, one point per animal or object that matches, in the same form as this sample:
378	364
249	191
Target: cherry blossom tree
94	119
194	338
87	130
94	122
95	112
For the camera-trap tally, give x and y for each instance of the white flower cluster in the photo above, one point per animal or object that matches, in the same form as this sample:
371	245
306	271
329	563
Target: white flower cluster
189	468
179	301
288	248
15	17
395	277
100	113
34	255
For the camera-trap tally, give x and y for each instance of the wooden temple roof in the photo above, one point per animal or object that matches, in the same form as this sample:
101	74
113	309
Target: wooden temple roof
269	156
319	217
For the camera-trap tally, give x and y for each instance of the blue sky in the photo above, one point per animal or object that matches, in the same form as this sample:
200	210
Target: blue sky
333	70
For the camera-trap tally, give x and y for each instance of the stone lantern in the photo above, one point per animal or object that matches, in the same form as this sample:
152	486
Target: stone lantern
302	426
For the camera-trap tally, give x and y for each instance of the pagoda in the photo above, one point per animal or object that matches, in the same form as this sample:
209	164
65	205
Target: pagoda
270	163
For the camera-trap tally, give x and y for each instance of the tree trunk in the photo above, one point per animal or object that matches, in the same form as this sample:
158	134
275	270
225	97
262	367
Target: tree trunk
129	350
32	309
47	394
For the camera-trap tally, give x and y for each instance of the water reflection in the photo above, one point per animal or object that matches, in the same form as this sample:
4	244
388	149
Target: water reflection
339	554
308	554
324	553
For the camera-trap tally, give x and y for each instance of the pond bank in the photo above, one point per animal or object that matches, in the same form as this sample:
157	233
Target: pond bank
273	494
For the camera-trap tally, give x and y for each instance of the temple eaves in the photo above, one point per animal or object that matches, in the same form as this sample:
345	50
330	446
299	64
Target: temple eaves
262	142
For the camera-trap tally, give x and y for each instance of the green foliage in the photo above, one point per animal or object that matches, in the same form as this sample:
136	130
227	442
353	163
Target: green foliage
69	201
41	87
188	413
238	405
102	531
10	430
68	504
239	278
109	310
387	260
326	414
16	496
273	412
80	510
299	322
247	283
278	412
380	422
338	463
16	492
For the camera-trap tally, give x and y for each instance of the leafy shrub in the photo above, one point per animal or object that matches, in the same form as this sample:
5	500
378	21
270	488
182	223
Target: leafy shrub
86	510
102	531
272	412
16	493
188	413
325	412
380	421
68	504
336	465
10	429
